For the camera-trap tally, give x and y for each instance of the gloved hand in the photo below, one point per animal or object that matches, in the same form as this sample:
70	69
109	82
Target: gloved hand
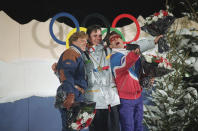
69	101
132	47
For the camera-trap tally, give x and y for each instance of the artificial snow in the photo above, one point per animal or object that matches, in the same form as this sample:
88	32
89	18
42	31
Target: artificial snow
26	78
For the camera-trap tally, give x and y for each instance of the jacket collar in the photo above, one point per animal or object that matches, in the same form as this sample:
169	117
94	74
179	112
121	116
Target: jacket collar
93	48
76	48
119	50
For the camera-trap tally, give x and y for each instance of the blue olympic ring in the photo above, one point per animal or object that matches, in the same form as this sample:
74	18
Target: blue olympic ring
56	17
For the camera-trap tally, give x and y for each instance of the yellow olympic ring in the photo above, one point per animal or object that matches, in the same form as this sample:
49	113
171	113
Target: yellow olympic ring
71	33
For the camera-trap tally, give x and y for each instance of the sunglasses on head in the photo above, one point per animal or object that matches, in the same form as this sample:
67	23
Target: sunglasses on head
114	37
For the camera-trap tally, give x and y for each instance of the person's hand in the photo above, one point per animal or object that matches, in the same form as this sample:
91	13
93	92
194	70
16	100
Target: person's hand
152	80
69	101
157	38
80	89
54	67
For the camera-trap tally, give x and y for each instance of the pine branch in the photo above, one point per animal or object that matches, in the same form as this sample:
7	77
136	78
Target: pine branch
193	10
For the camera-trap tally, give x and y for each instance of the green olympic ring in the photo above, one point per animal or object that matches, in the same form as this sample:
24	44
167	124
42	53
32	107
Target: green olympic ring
116	30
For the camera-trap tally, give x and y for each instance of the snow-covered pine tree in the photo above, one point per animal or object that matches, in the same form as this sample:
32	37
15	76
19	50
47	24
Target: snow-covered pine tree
175	98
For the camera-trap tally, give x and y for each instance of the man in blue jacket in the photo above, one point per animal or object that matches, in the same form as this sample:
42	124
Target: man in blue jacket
125	66
71	73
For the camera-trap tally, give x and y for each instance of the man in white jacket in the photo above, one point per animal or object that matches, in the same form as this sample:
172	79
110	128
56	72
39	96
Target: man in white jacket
101	87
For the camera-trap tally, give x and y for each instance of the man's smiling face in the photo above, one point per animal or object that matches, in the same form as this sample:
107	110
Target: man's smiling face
95	37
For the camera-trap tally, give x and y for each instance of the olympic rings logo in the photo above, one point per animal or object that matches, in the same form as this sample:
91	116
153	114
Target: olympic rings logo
83	28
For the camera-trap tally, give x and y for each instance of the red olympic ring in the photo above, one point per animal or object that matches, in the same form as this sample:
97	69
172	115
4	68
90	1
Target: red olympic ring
133	19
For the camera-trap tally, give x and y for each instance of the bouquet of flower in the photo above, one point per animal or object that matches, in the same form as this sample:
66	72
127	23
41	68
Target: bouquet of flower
158	24
151	66
155	66
81	115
